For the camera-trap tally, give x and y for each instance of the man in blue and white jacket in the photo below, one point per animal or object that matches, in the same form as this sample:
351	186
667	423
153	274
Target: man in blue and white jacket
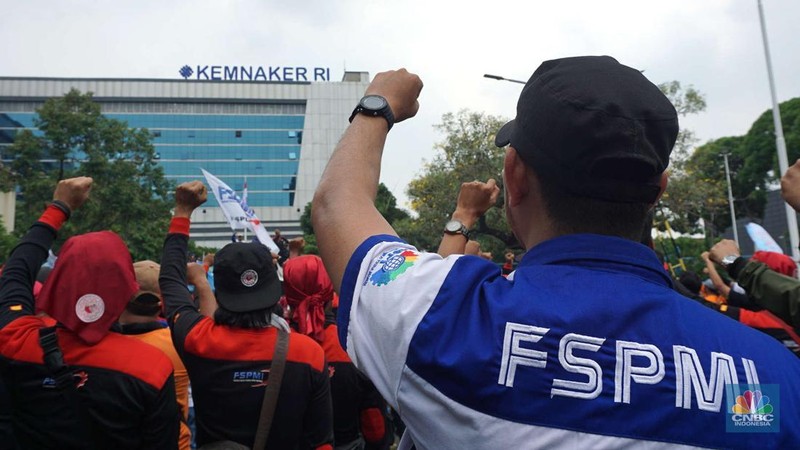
586	344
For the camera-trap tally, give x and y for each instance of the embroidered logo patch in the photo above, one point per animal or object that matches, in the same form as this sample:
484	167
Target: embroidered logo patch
249	278
391	265
257	378
89	308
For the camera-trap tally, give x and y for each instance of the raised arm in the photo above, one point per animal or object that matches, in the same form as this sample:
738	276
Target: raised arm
344	213
172	278
19	273
474	199
196	276
719	283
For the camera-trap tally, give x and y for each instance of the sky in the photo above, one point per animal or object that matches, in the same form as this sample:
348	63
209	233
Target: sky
713	45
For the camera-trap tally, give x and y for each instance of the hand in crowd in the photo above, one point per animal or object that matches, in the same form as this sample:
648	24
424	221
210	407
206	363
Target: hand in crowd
195	274
722	249
401	89
790	186
476	197
73	192
189	196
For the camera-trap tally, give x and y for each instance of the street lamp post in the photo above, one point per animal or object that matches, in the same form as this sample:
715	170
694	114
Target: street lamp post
780	142
730	201
499	78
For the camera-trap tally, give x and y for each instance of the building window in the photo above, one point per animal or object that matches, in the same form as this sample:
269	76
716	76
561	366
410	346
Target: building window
156	133
238	133
292	155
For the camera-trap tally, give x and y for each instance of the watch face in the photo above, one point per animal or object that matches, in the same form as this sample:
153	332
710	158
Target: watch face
453	226
373	102
729	259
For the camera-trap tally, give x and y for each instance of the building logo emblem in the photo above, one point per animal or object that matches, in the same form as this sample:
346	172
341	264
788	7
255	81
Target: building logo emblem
186	72
756	410
391	265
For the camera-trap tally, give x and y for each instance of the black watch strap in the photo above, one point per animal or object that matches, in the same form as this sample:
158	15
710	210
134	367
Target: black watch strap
385	112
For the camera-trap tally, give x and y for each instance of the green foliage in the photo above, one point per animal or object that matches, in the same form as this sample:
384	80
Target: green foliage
7	243
308	232
385	202
687	198
686	100
699	190
129	194
690	249
466	153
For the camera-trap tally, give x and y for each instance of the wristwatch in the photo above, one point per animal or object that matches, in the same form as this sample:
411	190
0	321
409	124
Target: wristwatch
456	227
374	105
728	260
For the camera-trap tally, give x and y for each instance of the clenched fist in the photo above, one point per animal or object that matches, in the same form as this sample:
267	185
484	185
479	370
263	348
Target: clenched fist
401	89
189	196
73	192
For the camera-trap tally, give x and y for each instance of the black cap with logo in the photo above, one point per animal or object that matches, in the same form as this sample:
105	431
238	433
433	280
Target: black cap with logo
245	277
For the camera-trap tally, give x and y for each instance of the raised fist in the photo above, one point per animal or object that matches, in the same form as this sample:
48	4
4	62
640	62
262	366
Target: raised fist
189	196
73	192
401	89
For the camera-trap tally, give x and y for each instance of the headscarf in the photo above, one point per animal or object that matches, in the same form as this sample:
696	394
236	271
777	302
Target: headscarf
308	288
778	262
90	285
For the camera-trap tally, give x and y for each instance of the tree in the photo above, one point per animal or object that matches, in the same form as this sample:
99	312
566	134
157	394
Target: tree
467	153
7	243
385	203
700	190
688	197
130	193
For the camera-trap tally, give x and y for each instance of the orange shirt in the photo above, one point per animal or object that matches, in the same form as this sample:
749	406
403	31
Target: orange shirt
162	339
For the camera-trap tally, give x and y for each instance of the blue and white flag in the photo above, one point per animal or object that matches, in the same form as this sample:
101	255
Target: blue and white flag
237	212
762	241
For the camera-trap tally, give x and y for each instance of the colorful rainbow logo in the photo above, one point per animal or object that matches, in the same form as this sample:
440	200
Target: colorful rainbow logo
394	264
752	402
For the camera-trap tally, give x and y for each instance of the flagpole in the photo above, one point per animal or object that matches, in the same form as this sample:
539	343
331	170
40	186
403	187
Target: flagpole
780	142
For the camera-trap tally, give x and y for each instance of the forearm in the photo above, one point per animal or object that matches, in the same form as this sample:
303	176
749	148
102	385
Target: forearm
172	278
344	213
19	272
719	283
207	300
456	244
777	293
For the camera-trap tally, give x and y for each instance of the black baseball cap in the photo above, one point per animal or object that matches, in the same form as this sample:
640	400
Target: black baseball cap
245	277
596	127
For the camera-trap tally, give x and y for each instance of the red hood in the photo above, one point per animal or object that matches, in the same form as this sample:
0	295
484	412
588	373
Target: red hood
92	281
777	261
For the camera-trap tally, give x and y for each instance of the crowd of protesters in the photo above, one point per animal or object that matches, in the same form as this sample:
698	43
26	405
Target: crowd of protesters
585	341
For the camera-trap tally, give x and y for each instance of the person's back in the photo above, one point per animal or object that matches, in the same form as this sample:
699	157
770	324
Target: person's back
95	389
118	380
585	345
358	409
140	320
533	359
229	358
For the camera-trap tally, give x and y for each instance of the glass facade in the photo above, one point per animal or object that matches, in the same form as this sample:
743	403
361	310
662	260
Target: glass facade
259	142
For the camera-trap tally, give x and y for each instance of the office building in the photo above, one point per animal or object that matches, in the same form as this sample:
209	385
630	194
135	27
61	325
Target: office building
239	123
